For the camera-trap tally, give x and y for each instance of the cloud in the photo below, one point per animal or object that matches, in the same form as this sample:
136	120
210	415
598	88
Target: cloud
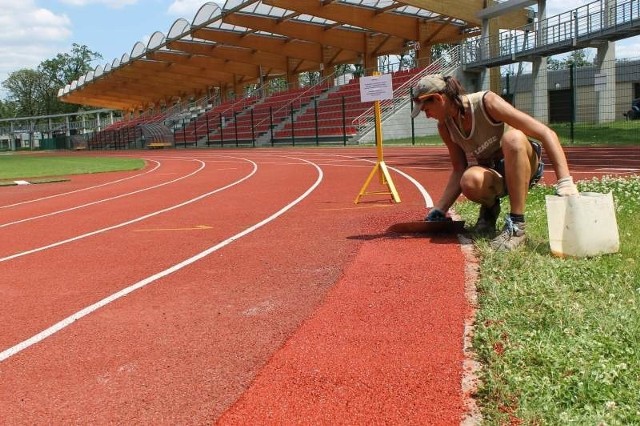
556	7
628	48
29	35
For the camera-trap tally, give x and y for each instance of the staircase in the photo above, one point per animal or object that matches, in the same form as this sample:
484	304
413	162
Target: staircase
447	64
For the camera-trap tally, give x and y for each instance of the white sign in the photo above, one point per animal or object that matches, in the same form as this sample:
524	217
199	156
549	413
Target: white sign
376	88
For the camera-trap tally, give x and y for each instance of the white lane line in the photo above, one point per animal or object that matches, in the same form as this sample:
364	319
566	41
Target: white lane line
124	292
84	189
104	200
129	222
428	202
617	169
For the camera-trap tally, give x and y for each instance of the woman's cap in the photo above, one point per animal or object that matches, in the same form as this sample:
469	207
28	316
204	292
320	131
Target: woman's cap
426	86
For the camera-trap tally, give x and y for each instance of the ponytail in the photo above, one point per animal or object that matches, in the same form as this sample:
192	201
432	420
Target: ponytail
454	91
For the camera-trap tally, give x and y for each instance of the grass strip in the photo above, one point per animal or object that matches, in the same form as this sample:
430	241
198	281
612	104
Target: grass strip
615	133
559	339
28	167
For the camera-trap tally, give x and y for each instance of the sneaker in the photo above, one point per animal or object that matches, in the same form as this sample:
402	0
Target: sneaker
511	237
487	218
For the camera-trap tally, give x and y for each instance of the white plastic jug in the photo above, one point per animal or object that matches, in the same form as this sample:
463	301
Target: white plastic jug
582	225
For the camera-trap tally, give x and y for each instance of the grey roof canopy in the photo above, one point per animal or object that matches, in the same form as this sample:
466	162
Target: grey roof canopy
249	40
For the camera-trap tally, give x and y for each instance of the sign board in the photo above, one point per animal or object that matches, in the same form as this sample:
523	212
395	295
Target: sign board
376	88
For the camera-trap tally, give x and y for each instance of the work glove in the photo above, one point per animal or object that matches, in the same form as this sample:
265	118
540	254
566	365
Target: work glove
436	215
565	187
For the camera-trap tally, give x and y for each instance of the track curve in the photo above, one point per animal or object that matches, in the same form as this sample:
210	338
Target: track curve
274	298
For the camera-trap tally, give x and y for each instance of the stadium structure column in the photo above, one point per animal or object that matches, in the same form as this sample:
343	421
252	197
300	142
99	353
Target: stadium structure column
605	81
422	47
293	78
238	87
490	78
369	59
605	77
424	56
540	100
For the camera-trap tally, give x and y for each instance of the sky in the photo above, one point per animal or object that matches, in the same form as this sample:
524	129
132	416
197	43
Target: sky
32	31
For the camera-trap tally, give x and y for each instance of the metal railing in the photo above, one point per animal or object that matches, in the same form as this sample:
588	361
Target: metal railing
557	34
262	127
446	64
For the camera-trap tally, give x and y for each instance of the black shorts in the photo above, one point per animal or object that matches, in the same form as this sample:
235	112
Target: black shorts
499	166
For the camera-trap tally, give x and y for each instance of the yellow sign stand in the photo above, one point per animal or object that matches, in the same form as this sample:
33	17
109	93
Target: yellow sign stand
380	167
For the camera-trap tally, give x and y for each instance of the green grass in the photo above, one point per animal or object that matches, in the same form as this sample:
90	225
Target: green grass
422	140
614	133
584	134
22	166
559	339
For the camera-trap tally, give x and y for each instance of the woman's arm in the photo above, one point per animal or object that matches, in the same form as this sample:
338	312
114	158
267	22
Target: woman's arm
459	162
501	110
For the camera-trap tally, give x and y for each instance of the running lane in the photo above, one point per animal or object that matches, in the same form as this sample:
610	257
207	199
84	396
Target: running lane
185	347
317	316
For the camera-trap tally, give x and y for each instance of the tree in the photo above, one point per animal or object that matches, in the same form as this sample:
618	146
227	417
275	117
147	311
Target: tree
62	70
35	92
438	50
579	58
25	91
7	109
310	78
65	67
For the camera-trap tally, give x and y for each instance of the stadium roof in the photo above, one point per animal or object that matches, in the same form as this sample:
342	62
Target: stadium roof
249	41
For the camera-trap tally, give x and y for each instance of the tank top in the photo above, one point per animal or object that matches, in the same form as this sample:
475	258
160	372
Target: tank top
485	138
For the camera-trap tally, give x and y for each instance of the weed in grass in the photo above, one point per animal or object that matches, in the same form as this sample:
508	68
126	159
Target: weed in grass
559	339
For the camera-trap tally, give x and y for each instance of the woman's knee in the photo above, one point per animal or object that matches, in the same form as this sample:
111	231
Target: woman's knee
472	180
480	184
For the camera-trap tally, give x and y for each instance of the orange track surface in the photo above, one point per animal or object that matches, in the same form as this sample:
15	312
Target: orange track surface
186	293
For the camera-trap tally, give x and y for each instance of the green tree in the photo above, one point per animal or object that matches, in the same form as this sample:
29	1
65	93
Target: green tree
25	91
579	58
310	78
35	92
7	109
66	67
438	50
343	69
62	70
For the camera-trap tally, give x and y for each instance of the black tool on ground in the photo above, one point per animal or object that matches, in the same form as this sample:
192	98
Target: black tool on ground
428	227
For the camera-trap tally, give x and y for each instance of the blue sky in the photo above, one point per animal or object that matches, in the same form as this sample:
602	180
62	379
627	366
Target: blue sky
35	30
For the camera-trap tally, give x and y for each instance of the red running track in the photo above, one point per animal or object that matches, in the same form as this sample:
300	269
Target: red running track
236	287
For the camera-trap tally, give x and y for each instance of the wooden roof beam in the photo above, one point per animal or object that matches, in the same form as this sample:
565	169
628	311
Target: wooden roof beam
278	46
220	65
236	54
363	17
345	39
468	10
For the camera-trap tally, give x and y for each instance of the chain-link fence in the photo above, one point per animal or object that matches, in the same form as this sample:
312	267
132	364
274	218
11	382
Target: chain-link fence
584	104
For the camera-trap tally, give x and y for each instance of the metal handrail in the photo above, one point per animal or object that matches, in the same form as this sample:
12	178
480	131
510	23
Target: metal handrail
448	62
297	101
566	28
